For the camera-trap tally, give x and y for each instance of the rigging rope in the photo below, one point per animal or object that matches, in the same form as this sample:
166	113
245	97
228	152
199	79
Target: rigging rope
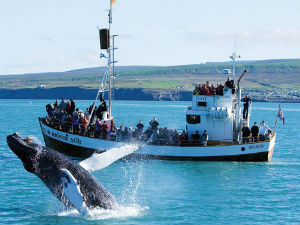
101	89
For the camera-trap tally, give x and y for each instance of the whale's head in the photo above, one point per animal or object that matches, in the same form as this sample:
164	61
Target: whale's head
24	149
67	180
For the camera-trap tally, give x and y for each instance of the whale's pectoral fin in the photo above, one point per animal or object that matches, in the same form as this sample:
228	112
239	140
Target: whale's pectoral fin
71	189
100	161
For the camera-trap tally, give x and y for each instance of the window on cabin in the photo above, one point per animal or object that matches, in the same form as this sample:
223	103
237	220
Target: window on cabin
192	119
203	104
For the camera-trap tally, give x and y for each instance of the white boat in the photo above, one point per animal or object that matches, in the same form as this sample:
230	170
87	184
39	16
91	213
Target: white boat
219	114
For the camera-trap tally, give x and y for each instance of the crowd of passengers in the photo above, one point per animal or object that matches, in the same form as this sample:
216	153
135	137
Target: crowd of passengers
257	133
68	118
72	119
212	89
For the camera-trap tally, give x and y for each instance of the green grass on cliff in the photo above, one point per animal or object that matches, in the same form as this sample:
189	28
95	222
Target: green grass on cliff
265	74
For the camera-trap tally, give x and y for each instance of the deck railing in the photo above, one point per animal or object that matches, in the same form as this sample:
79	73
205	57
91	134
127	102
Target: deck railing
153	140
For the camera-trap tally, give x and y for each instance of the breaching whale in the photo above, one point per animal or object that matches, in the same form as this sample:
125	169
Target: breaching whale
68	181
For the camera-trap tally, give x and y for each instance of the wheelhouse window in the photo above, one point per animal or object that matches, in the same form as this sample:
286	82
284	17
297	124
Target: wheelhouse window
203	104
192	119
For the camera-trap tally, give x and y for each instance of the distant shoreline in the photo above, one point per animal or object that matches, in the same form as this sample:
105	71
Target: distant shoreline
119	94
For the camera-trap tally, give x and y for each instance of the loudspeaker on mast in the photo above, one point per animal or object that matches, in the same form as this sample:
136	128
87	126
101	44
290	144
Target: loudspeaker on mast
104	38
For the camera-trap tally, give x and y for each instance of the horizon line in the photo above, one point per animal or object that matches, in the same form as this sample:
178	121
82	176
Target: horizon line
210	62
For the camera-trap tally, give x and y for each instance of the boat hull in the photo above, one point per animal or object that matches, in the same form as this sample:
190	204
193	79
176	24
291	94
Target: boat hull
68	149
83	147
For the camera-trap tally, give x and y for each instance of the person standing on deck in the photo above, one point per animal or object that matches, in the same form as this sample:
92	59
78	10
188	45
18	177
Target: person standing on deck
75	121
140	127
229	83
98	128
154	125
263	130
245	133
204	138
254	131
87	114
196	136
104	129
247	100
72	106
68	109
56	104
84	124
63	104
207	88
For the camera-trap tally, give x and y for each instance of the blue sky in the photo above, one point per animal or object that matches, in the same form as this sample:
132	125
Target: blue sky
60	35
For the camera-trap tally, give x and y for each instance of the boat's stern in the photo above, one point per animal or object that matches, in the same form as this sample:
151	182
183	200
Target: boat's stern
271	147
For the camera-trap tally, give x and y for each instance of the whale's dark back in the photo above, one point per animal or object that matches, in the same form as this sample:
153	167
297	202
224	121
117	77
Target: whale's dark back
48	164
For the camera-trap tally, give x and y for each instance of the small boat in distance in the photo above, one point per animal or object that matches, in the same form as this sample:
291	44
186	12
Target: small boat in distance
215	112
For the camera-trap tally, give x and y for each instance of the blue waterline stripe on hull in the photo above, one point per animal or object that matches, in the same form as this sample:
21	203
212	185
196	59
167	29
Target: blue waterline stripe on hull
82	152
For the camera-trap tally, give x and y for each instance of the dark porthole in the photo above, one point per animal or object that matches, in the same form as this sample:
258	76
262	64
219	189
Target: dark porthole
243	149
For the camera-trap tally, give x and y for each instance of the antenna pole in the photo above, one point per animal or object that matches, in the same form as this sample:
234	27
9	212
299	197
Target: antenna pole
113	65
233	57
238	92
233	66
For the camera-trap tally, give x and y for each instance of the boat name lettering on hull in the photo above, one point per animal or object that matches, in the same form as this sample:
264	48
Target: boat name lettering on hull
64	137
59	136
256	146
75	140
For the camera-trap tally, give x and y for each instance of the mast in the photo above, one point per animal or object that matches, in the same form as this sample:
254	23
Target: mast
105	43
109	61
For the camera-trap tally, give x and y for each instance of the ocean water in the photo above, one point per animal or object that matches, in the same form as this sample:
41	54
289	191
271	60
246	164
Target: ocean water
157	191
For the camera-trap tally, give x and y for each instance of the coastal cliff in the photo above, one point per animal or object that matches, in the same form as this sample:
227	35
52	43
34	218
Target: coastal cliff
266	80
81	93
137	94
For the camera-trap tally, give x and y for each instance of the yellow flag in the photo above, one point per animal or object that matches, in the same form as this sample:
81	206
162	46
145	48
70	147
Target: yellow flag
113	2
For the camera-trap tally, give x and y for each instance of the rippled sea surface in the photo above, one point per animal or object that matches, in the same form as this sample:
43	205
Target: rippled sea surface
155	191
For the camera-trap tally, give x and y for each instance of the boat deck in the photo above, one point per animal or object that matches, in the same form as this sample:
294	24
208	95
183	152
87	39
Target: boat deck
159	142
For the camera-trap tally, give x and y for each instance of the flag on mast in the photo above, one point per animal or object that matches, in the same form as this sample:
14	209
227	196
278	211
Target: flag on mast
280	114
102	55
113	2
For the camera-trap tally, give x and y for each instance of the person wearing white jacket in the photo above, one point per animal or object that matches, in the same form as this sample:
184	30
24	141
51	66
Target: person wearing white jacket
263	130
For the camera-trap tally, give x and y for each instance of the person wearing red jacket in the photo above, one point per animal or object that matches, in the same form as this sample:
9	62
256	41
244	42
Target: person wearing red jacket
104	129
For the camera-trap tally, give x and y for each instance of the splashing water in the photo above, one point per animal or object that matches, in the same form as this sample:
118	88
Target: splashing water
36	139
100	161
133	175
120	212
